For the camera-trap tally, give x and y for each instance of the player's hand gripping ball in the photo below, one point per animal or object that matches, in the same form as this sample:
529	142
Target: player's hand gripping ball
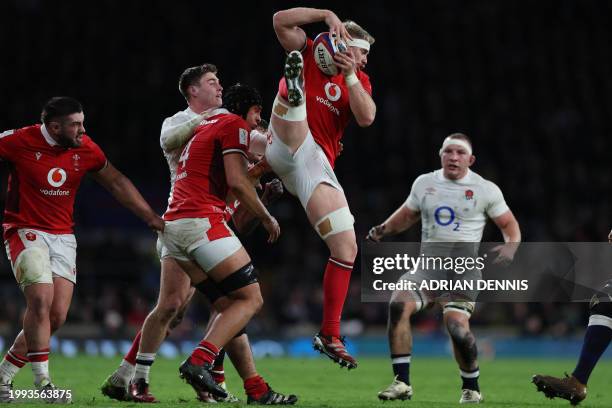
325	46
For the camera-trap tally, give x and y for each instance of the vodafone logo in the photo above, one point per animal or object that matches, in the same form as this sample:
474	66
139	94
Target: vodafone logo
56	177
332	91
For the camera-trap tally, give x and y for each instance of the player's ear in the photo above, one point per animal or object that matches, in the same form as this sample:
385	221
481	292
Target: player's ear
54	127
472	159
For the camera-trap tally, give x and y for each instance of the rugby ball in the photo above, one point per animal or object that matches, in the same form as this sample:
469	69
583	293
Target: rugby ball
325	46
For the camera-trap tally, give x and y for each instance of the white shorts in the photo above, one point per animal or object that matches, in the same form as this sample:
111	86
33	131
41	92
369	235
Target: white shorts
61	249
302	171
207	241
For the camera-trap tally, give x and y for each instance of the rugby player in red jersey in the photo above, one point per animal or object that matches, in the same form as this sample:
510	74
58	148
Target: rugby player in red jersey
303	150
46	165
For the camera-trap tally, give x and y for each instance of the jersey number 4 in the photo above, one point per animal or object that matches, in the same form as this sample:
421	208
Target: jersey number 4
185	154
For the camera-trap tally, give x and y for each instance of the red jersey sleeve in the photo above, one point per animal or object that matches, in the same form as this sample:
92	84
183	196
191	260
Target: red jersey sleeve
8	142
98	158
234	136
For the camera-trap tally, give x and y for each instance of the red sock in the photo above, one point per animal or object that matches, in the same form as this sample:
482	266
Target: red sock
38	356
130	357
255	387
218	373
205	353
16	359
335	287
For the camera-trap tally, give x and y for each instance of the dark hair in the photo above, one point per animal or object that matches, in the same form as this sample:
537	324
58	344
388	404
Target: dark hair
59	106
191	76
240	98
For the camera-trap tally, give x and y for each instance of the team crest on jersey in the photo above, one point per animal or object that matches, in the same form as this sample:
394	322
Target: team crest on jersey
243	137
30	236
469	195
56	177
332	91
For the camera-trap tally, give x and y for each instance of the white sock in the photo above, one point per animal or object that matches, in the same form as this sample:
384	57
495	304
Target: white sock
40	371
287	112
144	361
123	374
8	371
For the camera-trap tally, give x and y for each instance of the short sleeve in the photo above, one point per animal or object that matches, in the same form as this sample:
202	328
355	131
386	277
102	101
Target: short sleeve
98	158
234	136
496	205
8	142
413	201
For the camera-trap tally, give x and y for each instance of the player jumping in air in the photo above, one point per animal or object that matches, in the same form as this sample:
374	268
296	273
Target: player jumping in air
303	150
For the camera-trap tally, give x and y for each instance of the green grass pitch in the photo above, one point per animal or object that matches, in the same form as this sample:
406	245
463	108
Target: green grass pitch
319	383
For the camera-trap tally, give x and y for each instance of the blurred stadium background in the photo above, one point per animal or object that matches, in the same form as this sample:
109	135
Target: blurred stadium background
529	82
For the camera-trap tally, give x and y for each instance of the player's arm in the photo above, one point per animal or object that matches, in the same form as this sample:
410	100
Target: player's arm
244	221
610	237
361	102
291	37
242	187
176	134
126	193
509	227
402	219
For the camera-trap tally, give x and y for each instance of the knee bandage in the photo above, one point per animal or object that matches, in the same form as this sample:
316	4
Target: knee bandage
33	266
464	307
287	112
335	222
244	276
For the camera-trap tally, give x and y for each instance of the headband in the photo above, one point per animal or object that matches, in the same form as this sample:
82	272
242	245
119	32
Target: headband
359	43
459	142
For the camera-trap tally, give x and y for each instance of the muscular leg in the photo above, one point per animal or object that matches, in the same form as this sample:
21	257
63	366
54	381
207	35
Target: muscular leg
343	250
174	293
464	348
399	331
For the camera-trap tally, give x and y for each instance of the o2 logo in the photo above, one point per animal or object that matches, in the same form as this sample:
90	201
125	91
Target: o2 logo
445	216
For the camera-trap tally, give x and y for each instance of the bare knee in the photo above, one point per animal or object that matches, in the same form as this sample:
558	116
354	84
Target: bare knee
345	249
398	312
57	319
251	296
39	306
167	309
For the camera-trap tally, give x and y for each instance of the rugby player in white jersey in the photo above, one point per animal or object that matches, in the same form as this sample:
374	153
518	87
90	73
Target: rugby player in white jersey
453	204
202	91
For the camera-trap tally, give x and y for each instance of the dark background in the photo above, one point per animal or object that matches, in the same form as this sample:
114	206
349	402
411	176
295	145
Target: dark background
529	82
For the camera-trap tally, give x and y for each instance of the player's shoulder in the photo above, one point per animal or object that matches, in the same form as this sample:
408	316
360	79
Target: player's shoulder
426	178
480	180
87	143
231	119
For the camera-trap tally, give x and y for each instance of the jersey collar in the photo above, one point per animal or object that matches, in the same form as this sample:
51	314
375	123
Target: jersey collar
47	136
215	112
464	180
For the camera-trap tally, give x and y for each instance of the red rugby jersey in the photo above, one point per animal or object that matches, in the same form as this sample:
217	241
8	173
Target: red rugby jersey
327	103
200	188
44	178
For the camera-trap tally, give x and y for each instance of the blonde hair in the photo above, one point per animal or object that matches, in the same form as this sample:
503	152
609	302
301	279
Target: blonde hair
356	31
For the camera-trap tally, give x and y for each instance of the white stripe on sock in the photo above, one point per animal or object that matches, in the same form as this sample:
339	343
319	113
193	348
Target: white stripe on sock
465	374
600	320
400	360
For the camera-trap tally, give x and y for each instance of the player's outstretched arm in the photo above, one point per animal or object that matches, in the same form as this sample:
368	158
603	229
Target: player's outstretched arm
238	180
610	237
286	25
402	219
175	135
509	227
244	221
126	193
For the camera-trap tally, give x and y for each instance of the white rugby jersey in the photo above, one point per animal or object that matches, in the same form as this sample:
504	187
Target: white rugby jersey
170	124
454	210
